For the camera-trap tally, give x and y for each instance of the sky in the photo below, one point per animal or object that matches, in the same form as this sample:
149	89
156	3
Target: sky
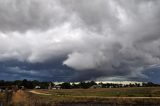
78	40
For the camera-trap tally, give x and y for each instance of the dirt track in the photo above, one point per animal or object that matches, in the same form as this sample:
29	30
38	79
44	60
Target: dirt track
39	93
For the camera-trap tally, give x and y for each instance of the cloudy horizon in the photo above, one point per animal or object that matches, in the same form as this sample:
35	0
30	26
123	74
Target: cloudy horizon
69	40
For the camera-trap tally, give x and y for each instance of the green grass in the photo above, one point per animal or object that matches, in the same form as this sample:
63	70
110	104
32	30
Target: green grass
107	92
91	96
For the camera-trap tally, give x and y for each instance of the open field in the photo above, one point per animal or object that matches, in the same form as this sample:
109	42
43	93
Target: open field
107	92
112	96
148	96
1	97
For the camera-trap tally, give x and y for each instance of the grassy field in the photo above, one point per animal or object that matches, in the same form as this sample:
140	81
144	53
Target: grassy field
112	96
89	97
1	96
106	92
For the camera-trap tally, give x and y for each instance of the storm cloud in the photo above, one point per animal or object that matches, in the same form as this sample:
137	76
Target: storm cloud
79	40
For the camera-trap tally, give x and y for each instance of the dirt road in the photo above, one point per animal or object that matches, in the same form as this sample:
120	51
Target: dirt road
39	93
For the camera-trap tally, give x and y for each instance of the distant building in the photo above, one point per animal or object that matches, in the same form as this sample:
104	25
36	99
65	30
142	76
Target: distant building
96	86
37	87
57	87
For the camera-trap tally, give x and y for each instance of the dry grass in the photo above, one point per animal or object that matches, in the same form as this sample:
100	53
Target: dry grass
112	96
1	97
19	97
108	92
125	96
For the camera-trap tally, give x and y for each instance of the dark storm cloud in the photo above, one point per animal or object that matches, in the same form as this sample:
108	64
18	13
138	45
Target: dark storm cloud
100	39
40	71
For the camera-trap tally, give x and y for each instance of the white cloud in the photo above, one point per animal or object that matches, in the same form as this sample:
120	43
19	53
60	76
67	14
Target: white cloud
113	37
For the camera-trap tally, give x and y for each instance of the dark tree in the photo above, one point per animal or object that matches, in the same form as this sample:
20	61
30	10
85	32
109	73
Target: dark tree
66	85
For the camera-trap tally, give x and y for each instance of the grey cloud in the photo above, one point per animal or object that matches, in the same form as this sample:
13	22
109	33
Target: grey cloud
137	32
11	70
18	15
95	15
95	38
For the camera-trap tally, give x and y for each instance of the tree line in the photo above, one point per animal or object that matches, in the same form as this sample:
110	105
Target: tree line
67	85
26	83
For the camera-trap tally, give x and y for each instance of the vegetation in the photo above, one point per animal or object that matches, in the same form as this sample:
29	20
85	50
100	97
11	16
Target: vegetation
107	96
100	96
27	84
107	92
67	85
1	97
67	93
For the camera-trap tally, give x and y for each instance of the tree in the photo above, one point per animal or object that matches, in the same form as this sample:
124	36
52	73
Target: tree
66	85
27	84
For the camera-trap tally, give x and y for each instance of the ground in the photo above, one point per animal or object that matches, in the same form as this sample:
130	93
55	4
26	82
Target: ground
140	95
